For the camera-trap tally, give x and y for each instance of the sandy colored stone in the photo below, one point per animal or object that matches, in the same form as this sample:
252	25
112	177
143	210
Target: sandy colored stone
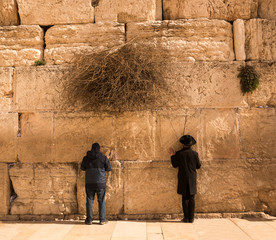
220	134
8	129
114	192
201	39
63	42
171	126
238	186
6	89
75	134
44	188
134	136
20	45
150	187
228	10
4	189
265	94
127	10
36	141
267	9
239	39
53	12
257	133
260	39
204	85
8	13
38	88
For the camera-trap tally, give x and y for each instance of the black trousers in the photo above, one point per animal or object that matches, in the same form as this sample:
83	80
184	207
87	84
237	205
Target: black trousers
188	205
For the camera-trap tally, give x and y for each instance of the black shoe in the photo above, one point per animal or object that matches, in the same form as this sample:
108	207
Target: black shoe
185	220
103	222
88	222
191	220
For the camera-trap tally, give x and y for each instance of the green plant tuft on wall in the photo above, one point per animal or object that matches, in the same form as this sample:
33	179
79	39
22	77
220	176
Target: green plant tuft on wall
249	79
39	63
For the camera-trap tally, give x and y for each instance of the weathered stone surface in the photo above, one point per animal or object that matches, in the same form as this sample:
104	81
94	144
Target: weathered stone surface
265	94
8	13
5	191
267	9
8	129
238	186
220	134
227	10
260	39
38	88
44	188
65	41
258	133
203	84
150	187
171	126
239	39
53	12
114	192
20	45
36	141
135	136
75	133
6	89
208	40
127	10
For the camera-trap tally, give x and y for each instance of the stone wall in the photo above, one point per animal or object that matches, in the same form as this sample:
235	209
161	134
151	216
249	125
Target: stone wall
42	142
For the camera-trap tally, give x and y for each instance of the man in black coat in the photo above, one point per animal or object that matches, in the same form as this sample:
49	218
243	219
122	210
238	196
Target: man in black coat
95	164
187	162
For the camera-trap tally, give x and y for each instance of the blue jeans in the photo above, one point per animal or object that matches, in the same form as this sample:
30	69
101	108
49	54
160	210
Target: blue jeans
90	194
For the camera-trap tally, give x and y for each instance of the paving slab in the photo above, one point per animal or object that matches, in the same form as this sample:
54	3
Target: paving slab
201	229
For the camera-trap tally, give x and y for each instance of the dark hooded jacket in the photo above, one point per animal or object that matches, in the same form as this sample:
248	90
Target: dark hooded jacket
95	164
187	162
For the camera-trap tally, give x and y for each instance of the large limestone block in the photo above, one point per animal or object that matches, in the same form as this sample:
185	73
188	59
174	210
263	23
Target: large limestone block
114	192
171	126
220	134
5	191
6	89
135	136
219	9
150	187
260	39
20	45
258	132
236	186
44	188
75	133
267	9
35	143
38	88
201	39
65	41
53	12
203	84
8	13
8	129
265	94
127	10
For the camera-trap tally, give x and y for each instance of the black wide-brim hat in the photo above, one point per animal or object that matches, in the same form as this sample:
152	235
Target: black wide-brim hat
187	140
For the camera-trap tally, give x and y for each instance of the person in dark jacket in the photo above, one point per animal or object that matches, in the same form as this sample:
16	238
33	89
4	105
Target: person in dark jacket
95	164
187	162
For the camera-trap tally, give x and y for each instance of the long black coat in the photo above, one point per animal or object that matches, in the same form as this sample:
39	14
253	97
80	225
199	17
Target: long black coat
187	162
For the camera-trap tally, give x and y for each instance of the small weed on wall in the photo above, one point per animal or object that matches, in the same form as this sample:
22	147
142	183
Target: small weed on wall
249	79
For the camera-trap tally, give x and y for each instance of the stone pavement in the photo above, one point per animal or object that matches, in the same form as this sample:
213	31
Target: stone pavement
201	229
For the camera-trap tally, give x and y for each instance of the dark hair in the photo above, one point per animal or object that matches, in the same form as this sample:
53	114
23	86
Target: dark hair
96	146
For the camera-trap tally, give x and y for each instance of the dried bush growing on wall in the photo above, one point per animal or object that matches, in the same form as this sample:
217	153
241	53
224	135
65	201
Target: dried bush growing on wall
127	78
249	79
